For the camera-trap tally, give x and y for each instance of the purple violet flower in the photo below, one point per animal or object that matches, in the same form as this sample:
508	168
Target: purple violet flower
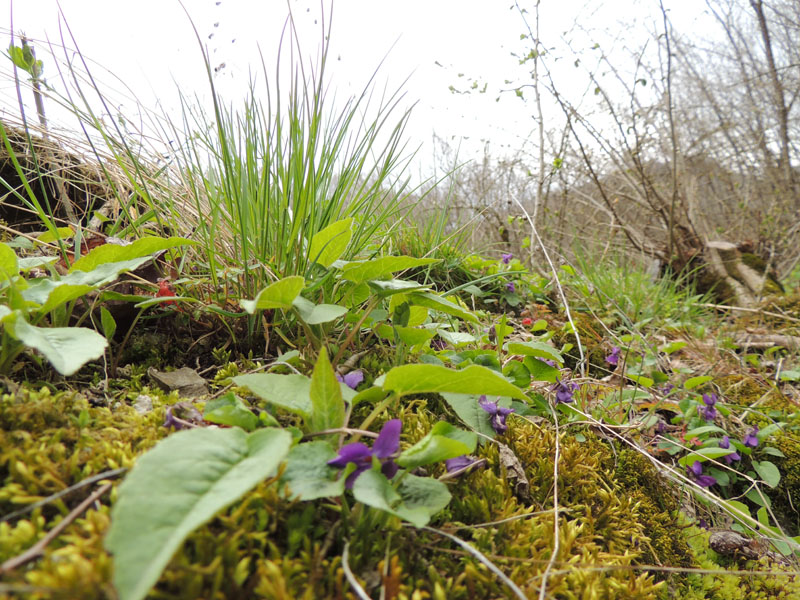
352	380
459	463
564	391
497	413
438	344
725	444
613	358
510	287
751	439
709	412
385	446
695	473
506	258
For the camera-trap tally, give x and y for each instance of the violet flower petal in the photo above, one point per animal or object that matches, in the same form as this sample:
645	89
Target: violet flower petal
389	469
388	441
352	453
725	442
353	379
458	463
506	258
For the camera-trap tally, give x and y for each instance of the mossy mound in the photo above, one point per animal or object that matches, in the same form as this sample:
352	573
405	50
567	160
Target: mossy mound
618	521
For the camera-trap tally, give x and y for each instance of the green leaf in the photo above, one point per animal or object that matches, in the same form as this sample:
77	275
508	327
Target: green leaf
280	294
67	348
790	375
329	244
693	382
697	431
442	442
307	474
422	379
673	347
540	370
518	373
177	486
388	287
290	392
379	268
468	409
108	323
740	506
112	253
643	381
704	454
537	349
9	266
63	294
416	501
317	314
430	300
456	338
768	472
230	410
327	405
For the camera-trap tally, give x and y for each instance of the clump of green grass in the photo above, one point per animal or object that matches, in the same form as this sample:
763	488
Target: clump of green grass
634	299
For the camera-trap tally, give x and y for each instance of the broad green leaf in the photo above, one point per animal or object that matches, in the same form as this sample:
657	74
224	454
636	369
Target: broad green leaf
63	294
379	268
431	300
697	431
417	500
230	410
108	323
790	375
673	347
112	253
518	373
769	430
736	505
408	335
704	454
290	392
329	244
60	233
693	382
39	291
422	379
537	349
307	473
327	405
371	394
389	287
280	294
768	472
177	486
316	314
443	441
540	370
9	265
67	348
456	338
643	381
469	410
31	262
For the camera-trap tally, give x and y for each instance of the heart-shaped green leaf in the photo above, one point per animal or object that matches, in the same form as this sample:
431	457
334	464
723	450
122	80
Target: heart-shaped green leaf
176	487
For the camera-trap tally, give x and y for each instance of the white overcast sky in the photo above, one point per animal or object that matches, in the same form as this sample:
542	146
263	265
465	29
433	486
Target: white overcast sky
150	45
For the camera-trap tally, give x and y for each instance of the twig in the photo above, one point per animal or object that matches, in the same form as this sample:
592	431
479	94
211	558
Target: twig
753	310
351	579
38	549
556	543
489	564
64	492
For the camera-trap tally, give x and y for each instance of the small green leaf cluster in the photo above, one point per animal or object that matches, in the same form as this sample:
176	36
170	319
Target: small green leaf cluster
33	311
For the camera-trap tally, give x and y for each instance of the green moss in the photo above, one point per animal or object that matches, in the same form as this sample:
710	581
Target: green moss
615	512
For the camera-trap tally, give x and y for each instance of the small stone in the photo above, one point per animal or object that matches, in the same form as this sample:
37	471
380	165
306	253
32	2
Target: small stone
185	381
143	404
